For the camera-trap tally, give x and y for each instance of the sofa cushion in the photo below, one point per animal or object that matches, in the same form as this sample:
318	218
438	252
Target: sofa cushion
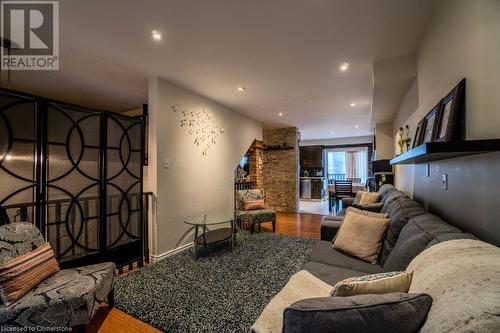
385	189
300	286
70	297
399	212
414	238
324	253
361	235
367	212
329	228
463	278
374	207
256	216
395	312
389	198
330	274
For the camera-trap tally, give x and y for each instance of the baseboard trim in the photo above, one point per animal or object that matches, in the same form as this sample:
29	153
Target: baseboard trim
159	257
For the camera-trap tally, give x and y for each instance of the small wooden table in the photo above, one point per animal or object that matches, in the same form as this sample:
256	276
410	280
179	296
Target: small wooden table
210	237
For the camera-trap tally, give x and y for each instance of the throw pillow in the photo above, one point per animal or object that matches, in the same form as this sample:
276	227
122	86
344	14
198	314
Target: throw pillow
254	204
380	283
361	236
369	198
357	198
23	273
387	313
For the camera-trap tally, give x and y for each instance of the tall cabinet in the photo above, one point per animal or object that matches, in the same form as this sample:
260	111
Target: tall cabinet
311	157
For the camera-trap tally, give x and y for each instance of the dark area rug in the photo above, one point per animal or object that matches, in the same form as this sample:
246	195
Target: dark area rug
221	292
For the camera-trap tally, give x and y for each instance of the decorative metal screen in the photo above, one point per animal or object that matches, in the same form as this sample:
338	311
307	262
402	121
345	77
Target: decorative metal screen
77	174
18	160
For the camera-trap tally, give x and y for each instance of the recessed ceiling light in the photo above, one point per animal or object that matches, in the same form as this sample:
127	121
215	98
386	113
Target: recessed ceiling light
344	66
280	114
241	88
333	132
353	104
156	35
356	126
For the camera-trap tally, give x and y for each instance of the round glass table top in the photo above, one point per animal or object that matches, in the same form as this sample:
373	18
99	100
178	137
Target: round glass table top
209	219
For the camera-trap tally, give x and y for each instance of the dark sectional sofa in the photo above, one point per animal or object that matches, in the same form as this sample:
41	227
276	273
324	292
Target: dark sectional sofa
460	273
411	231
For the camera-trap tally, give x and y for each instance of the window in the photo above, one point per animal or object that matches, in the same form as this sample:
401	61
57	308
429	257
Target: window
344	163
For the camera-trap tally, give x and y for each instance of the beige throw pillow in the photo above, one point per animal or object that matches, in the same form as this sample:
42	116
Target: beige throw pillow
361	236
380	283
369	198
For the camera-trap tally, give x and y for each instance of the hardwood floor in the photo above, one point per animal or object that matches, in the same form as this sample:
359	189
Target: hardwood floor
113	320
296	224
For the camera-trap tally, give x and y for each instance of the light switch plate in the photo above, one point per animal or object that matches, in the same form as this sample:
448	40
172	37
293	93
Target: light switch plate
444	182
166	163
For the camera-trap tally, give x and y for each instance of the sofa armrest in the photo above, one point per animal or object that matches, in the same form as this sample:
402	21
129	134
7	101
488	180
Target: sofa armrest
375	207
347	202
329	227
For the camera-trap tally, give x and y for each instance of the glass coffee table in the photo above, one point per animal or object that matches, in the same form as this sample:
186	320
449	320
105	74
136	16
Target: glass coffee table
210	237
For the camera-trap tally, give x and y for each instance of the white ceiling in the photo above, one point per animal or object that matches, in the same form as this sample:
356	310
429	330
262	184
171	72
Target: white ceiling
285	52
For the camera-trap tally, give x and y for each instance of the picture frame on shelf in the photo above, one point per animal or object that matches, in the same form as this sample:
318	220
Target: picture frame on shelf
452	108
417	140
430	125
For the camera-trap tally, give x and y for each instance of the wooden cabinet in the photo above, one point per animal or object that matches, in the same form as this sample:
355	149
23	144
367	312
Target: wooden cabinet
311	157
317	188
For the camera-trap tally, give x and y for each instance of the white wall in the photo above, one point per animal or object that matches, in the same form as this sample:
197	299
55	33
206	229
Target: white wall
337	141
384	141
193	184
462	40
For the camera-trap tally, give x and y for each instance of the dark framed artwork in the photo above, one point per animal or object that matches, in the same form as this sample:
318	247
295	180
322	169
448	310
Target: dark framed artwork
451	111
430	126
417	140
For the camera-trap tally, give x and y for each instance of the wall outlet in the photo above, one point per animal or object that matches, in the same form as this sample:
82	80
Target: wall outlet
444	182
166	163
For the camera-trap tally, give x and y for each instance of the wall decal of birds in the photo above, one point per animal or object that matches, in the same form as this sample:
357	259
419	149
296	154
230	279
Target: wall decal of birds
202	125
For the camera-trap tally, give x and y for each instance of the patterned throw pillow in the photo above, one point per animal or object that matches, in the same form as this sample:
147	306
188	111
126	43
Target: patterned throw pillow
21	274
380	283
254	204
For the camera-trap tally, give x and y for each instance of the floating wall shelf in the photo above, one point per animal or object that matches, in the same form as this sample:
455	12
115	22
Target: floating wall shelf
278	147
435	151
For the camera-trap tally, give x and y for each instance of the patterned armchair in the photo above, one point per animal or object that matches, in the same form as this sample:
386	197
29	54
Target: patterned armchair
68	298
253	217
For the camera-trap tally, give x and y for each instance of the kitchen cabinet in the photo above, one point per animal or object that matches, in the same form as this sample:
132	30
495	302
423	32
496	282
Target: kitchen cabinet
311	157
317	190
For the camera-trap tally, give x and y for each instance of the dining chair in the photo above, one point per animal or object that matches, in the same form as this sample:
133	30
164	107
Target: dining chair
343	189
